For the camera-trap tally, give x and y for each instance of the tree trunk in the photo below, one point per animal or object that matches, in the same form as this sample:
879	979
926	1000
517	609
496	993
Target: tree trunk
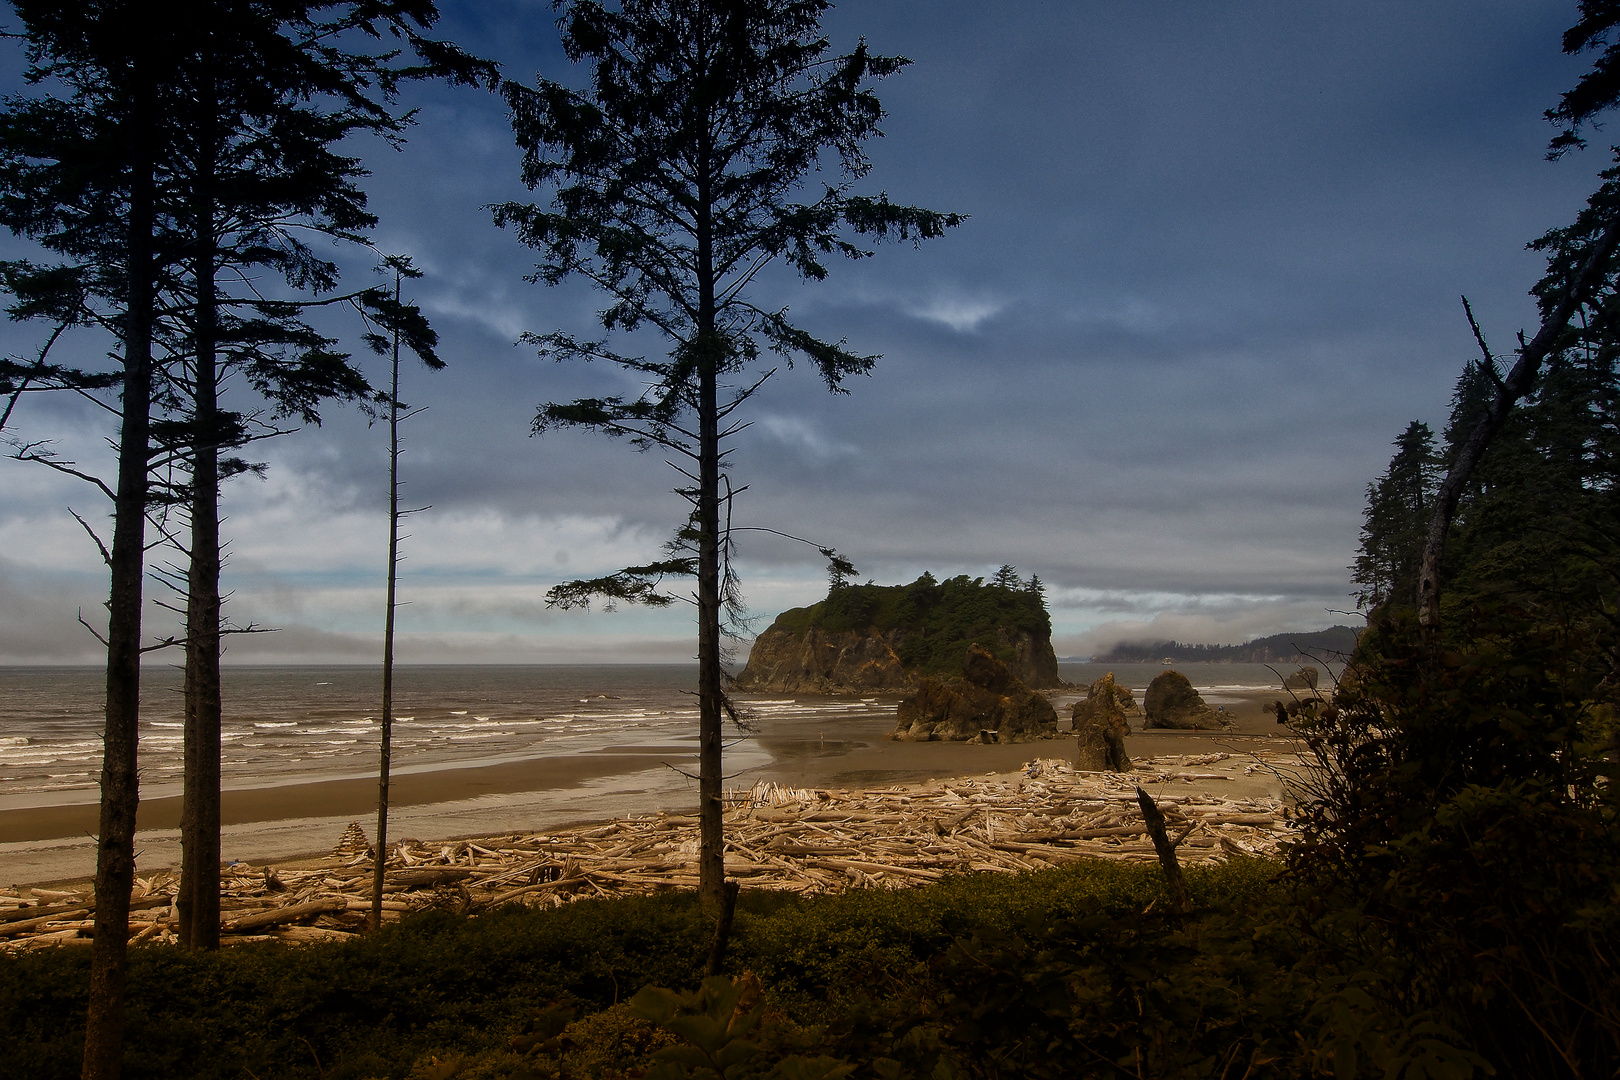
120	785
711	829
198	902
1153	818
381	851
1519	382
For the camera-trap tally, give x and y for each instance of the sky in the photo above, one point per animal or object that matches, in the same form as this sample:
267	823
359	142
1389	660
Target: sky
1211	269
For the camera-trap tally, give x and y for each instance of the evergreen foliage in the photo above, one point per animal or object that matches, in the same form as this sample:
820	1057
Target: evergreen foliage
940	619
1460	824
1397	519
673	180
839	972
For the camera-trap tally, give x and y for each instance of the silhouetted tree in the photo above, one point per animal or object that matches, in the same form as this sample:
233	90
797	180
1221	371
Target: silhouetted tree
78	175
402	269
1397	514
99	170
1580	267
672	182
1007	577
264	94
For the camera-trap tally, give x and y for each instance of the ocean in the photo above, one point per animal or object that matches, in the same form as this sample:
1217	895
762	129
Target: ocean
290	725
489	749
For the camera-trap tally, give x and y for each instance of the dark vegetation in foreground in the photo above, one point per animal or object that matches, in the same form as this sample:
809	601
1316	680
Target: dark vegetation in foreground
1453	910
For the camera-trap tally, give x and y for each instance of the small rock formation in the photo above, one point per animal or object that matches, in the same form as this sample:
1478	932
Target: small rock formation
1102	720
1303	679
987	704
1171	702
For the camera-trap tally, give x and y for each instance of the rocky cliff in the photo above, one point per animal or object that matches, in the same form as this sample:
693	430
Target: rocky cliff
873	639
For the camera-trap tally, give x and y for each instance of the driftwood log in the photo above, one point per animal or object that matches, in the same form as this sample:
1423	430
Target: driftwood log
779	838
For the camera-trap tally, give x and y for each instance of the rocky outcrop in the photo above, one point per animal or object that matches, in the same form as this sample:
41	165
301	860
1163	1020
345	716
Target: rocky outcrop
1171	702
989	703
1102	721
818	661
1303	679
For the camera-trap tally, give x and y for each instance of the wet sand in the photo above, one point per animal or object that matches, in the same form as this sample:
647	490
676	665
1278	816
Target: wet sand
352	798
48	843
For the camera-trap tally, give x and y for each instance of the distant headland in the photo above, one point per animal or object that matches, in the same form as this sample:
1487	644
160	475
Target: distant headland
1333	643
884	638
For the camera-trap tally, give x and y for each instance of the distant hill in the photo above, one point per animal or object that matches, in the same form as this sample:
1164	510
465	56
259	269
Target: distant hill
1336	642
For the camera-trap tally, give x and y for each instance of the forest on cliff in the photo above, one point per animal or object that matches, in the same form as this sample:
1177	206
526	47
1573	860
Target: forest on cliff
938	619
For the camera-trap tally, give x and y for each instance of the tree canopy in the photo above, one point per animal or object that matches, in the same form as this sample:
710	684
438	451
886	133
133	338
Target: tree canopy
673	181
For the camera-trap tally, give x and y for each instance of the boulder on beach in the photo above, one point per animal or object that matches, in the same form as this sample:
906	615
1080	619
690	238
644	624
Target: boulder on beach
1303	679
1171	702
988	703
1102	721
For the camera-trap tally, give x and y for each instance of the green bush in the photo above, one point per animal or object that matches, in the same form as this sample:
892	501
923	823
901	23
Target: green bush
442	988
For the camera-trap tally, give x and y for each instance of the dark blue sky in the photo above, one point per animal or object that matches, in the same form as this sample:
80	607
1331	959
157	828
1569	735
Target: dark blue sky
1211	270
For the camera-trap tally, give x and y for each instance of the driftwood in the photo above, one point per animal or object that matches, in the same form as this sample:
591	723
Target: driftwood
778	838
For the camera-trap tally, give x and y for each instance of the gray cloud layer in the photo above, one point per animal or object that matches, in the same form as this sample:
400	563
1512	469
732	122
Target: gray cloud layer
1211	270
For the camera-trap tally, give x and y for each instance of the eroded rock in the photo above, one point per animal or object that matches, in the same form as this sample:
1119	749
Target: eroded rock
1303	679
987	704
1171	702
1102	721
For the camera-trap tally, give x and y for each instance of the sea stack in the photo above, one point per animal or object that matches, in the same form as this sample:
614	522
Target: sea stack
1171	702
988	703
865	639
1101	722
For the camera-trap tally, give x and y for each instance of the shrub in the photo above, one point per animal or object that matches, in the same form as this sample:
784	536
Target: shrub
1462	834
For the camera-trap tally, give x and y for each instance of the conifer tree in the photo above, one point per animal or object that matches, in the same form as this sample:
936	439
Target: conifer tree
79	171
673	182
1392	530
265	93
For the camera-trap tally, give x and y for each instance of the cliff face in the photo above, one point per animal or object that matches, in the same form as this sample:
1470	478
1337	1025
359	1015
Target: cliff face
819	661
874	639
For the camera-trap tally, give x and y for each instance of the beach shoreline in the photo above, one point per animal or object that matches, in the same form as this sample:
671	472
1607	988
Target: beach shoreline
40	845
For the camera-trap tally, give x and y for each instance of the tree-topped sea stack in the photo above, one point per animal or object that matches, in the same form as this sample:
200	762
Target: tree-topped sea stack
874	638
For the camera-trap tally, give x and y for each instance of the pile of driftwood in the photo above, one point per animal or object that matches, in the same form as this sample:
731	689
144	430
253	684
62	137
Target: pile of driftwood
799	840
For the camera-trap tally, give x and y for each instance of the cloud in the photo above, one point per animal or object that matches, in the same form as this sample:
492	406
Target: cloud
803	437
962	314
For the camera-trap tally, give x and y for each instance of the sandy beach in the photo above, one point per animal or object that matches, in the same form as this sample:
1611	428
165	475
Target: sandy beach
53	843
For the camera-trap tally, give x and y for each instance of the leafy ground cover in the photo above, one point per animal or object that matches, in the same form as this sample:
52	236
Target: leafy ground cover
1452	910
1068	972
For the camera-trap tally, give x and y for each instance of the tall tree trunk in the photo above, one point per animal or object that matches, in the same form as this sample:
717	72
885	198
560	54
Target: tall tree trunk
198	902
711	828
1519	382
381	857
120	785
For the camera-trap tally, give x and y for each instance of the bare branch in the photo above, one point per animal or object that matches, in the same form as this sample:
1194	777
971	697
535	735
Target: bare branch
93	631
106	556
